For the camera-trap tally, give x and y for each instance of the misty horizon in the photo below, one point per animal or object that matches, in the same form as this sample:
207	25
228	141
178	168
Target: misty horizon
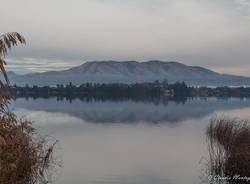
29	66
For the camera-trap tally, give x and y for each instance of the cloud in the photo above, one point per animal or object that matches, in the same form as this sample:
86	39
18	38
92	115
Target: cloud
242	70
243	2
209	33
29	65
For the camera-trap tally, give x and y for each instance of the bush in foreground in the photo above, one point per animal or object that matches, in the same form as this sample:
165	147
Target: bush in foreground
25	156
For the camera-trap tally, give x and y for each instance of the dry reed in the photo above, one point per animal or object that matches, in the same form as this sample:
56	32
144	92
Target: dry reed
229	150
26	157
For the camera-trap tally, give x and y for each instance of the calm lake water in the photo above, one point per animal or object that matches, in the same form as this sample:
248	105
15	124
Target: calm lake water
129	142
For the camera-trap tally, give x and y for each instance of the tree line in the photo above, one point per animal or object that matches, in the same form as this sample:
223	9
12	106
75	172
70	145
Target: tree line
150	90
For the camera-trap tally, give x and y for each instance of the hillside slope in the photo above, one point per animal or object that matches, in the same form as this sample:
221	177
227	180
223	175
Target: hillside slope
130	72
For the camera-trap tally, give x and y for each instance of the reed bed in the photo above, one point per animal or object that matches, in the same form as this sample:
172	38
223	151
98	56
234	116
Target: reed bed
26	157
229	150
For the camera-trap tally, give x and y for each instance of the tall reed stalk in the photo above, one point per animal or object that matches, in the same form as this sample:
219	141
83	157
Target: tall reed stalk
229	150
26	157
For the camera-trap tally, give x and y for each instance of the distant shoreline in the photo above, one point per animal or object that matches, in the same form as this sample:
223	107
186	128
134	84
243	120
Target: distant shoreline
139	91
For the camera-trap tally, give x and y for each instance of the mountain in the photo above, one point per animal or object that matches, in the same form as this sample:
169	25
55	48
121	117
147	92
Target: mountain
130	72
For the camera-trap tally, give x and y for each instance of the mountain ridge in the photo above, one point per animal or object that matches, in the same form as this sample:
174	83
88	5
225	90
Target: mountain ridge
111	71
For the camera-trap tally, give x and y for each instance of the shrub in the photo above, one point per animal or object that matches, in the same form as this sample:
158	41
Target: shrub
26	157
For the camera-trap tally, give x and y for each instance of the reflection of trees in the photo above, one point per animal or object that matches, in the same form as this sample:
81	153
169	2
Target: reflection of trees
107	111
229	151
70	98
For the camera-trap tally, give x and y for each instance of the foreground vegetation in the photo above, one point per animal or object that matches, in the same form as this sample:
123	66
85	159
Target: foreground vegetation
229	151
26	157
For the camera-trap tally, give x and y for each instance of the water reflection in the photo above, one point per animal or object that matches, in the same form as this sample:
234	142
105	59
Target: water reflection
132	112
129	142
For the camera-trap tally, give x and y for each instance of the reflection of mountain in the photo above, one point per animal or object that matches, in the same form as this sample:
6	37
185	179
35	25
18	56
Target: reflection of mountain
132	112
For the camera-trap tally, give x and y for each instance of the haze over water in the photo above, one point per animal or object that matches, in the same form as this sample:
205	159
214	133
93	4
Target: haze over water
129	142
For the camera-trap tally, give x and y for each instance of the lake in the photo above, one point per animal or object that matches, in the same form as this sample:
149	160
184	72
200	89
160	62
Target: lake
126	142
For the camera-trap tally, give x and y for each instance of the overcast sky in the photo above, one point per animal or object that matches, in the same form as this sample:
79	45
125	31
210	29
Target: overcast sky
65	33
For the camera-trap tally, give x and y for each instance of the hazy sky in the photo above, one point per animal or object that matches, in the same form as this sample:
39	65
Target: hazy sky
65	33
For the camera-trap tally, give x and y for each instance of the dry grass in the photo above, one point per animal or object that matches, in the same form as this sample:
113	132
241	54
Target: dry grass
25	156
229	148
